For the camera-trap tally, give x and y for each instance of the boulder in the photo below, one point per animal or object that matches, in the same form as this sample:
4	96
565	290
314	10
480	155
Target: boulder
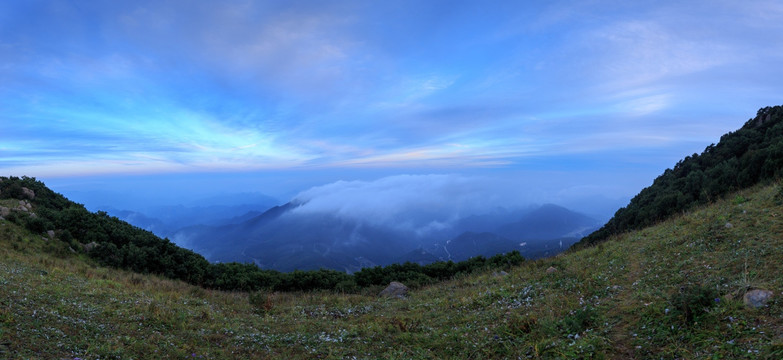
90	246
551	270
757	298
50	233
28	193
4	211
499	273
395	289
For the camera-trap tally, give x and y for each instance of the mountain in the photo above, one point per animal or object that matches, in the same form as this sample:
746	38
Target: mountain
166	220
751	155
549	222
283	241
286	239
140	220
470	244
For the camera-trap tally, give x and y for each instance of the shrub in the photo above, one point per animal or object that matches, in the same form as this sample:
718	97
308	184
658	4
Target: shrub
691	302
261	301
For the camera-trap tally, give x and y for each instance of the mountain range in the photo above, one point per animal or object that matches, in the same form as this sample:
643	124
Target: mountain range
285	239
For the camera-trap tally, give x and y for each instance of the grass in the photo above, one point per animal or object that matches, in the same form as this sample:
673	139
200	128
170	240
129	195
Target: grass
669	291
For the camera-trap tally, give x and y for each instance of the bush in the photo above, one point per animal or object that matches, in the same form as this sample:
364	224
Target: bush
261	301
580	320
691	302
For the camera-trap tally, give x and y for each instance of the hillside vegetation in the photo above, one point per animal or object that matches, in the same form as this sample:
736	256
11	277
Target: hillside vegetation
742	158
669	291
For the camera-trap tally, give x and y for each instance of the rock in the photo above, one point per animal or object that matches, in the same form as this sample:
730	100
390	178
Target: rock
551	270
499	273
29	193
24	206
50	233
4	211
728	225
395	289
757	298
90	246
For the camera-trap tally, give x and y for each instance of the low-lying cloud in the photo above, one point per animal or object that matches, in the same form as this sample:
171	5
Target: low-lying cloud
420	203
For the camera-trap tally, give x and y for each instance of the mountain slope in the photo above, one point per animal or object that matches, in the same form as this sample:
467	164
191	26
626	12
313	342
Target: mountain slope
549	222
743	158
636	295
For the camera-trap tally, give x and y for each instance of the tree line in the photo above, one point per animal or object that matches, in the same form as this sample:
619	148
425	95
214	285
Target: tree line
115	243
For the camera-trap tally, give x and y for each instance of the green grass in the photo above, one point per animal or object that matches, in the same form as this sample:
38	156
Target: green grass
669	291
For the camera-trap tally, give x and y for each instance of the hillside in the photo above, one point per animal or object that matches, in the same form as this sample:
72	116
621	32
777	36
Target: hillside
673	290
753	154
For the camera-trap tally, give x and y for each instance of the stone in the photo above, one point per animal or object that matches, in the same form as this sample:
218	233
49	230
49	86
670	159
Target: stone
90	246
395	289
50	233
728	225
757	298
551	270
4	211
499	273
29	193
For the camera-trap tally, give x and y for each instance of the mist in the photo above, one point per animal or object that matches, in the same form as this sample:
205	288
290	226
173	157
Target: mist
432	203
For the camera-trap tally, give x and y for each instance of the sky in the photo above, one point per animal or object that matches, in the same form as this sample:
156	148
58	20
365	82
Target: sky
554	99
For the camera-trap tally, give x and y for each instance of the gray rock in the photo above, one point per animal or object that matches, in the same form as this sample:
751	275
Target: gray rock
90	246
4	211
395	289
29	193
757	298
551	270
499	273
50	233
728	225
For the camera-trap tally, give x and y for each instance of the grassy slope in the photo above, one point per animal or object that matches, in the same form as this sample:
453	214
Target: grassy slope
607	301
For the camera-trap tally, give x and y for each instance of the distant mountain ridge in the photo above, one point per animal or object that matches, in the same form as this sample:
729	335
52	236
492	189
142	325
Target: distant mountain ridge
166	220
285	240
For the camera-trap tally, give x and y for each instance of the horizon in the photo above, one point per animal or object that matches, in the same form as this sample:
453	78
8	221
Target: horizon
168	103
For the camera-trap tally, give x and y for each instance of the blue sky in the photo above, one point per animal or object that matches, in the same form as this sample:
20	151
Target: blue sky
593	95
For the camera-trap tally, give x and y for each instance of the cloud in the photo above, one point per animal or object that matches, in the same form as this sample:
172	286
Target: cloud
412	202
